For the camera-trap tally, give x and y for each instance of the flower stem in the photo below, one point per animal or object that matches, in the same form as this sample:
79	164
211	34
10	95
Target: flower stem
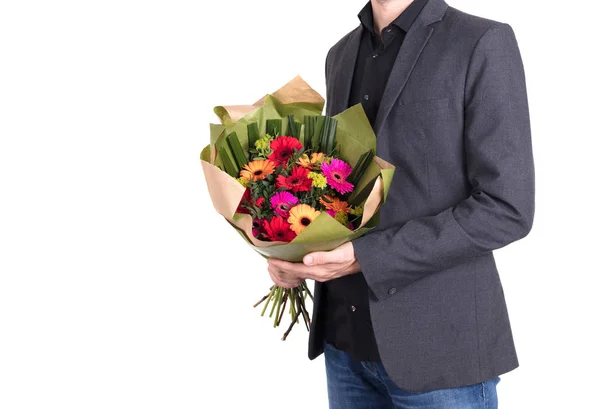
307	290
268	300
292	300
264	298
280	296
279	301
302	307
276	299
285	298
285	335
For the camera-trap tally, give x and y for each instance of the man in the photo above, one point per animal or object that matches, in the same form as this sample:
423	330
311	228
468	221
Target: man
413	314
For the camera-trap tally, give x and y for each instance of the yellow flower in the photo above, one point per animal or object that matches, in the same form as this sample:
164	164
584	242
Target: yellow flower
301	216
257	170
262	143
315	160
342	217
318	180
243	182
357	211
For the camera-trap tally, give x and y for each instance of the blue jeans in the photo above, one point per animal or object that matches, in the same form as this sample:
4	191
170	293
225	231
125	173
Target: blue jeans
365	385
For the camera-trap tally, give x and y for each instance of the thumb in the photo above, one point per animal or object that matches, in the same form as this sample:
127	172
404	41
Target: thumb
322	257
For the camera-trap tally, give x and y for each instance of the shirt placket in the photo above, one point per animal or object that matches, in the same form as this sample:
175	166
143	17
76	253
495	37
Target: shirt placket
379	46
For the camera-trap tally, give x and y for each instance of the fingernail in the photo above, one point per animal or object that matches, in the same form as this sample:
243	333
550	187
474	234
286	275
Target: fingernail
308	260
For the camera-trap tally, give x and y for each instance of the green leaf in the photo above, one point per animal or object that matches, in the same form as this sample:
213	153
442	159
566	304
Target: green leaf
238	154
310	124
274	127
352	177
328	135
293	127
361	167
253	135
228	164
317	141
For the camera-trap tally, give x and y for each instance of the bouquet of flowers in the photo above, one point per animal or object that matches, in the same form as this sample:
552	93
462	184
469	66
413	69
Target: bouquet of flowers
292	181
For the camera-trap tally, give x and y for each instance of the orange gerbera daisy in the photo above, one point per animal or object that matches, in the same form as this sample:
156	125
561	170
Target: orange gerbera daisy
301	216
311	163
335	204
257	170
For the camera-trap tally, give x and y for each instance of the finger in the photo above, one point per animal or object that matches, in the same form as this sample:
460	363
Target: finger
319	273
297	270
324	257
281	279
277	281
283	275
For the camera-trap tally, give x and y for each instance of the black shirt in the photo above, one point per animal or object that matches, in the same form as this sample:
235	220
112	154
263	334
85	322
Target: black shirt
347	317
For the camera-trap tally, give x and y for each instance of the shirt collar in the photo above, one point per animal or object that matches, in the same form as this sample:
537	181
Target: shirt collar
404	21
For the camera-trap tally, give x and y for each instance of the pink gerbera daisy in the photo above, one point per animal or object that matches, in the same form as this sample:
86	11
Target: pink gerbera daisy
336	174
282	202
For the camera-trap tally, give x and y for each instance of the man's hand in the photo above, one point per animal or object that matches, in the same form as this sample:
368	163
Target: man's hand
319	266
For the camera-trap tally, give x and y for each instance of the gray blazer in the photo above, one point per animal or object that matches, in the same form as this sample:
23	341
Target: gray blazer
454	121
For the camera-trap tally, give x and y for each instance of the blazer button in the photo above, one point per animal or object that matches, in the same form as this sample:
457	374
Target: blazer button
392	291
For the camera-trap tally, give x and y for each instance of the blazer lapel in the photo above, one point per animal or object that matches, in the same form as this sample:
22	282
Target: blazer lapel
342	77
415	41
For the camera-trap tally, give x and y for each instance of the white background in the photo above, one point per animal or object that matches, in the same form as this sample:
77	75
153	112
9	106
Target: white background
120	287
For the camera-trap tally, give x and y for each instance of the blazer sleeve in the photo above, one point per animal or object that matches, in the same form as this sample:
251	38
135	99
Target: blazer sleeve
498	149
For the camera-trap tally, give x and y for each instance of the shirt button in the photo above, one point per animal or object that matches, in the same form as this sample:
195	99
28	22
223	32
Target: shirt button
366	97
375	55
353	308
392	291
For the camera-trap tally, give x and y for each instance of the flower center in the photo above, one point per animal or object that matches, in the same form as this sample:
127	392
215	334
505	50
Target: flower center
295	181
284	206
258	172
305	221
337	176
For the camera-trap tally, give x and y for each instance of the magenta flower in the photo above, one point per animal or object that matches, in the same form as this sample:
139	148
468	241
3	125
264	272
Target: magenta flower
330	212
336	174
282	202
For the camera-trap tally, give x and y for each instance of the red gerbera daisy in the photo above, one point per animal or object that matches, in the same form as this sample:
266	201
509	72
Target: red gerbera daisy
283	148
298	181
258	227
278	229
